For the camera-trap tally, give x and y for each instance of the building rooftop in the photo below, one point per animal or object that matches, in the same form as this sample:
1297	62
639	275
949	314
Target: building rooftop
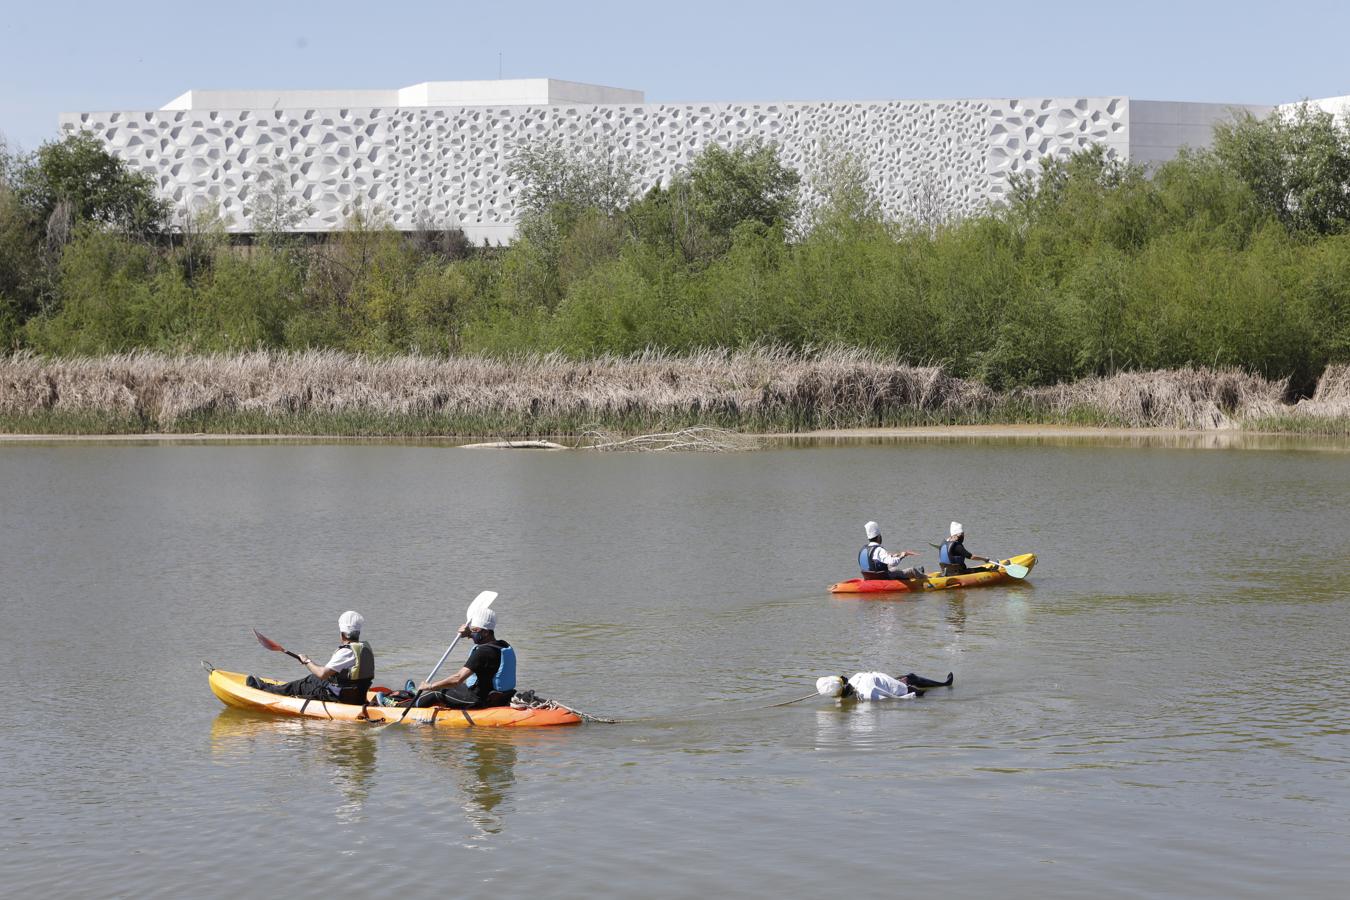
497	92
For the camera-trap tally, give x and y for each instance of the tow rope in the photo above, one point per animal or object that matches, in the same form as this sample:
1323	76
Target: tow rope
531	700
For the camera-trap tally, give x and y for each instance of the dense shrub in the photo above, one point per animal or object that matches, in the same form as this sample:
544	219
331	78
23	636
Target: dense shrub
1233	257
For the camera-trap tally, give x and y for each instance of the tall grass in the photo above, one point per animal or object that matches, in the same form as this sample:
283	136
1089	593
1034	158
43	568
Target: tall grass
763	389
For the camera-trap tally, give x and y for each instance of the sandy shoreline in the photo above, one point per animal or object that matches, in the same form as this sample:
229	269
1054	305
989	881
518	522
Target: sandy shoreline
978	431
1049	434
998	431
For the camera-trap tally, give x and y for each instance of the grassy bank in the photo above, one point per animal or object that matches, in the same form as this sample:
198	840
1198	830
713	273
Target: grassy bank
762	390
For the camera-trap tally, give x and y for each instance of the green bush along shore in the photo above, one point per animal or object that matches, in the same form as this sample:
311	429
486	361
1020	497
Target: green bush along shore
1233	261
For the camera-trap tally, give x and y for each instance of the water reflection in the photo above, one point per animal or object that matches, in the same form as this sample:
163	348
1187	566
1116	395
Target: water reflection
1057	436
857	725
956	613
349	751
483	763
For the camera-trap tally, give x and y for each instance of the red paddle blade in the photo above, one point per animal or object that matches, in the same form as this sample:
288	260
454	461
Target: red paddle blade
268	643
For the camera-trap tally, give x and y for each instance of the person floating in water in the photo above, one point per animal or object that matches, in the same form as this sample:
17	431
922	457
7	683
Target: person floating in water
878	686
876	562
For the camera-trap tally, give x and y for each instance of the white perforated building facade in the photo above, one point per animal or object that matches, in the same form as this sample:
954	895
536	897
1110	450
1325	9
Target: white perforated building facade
437	154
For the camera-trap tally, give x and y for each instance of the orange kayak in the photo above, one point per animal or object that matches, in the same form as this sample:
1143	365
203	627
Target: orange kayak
232	690
979	578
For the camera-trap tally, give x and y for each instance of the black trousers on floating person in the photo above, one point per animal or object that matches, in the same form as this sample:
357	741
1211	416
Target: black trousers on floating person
918	681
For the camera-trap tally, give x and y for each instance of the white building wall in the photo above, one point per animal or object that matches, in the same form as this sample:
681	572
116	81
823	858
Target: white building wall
437	154
1158	129
448	166
1337	106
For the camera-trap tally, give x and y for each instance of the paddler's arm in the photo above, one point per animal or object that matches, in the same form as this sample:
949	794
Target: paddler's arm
961	545
317	670
458	678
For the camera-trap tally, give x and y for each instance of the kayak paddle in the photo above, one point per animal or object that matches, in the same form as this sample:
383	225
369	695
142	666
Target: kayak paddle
273	645
480	603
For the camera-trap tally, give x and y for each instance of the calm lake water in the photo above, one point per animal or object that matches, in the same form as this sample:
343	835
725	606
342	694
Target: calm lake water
1160	712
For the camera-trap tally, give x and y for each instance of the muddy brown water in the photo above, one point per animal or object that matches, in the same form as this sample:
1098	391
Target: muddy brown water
1159	712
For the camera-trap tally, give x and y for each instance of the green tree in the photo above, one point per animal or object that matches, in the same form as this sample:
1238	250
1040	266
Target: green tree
1296	163
697	214
559	180
117	294
567	193
275	210
247	302
23	279
747	183
842	194
78	177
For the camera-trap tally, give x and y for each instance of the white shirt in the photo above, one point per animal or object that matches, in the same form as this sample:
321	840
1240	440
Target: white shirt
883	555
879	686
343	659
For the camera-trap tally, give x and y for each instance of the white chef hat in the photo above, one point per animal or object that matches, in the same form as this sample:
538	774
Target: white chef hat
830	686
351	622
957	528
485	619
873	530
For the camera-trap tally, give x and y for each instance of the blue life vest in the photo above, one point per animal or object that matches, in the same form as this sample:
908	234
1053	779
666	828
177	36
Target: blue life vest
944	556
867	561
505	677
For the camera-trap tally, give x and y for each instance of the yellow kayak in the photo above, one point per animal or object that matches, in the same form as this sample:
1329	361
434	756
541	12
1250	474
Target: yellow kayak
232	690
978	578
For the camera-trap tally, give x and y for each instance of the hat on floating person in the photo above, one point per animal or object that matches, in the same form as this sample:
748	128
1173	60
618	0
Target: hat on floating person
957	528
351	622
873	530
830	686
485	619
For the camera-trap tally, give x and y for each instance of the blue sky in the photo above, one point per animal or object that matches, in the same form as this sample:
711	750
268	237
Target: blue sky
57	57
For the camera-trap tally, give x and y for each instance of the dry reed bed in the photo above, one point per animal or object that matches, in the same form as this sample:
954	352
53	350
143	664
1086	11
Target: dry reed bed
766	389
1332	396
1177	398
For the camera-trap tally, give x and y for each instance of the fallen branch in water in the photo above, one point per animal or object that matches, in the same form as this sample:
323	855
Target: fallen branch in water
514	445
704	439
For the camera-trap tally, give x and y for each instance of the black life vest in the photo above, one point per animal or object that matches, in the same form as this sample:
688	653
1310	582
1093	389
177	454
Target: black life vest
354	682
499	691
